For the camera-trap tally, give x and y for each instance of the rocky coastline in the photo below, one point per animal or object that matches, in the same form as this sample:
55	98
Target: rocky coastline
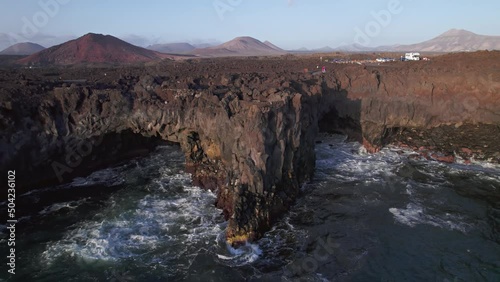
248	127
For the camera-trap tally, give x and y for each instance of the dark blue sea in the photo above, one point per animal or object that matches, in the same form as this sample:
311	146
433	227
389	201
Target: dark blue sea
365	217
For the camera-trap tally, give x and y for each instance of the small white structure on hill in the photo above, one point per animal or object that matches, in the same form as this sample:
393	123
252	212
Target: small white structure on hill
412	56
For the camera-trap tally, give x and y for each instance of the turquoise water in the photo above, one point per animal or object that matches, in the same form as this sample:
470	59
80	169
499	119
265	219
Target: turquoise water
381	217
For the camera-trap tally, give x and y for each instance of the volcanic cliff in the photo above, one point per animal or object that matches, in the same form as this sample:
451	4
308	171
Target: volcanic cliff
247	126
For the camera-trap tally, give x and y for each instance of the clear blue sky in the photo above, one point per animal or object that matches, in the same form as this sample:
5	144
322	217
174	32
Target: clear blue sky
287	23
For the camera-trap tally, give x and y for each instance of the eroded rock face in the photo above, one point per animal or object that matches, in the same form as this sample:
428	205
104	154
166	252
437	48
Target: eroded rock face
253	152
247	134
453	102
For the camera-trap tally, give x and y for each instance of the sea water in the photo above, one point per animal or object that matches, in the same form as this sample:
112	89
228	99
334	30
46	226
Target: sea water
388	216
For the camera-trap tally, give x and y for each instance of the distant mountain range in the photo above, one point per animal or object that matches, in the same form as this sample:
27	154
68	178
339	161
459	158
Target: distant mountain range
176	48
328	49
97	48
9	39
455	40
240	46
22	49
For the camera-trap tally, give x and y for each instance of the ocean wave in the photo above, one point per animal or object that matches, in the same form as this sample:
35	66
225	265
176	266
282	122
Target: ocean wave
415	214
108	177
66	205
242	255
169	225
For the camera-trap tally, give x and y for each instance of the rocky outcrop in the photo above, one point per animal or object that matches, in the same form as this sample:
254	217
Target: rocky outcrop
452	103
247	134
253	152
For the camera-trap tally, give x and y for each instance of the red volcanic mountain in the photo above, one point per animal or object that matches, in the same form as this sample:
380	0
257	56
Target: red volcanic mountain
93	48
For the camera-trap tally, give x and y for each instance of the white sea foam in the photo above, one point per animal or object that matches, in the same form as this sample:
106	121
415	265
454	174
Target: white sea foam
242	255
108	177
348	162
59	206
415	214
183	220
176	219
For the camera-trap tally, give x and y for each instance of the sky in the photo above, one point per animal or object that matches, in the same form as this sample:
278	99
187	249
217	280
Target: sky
290	24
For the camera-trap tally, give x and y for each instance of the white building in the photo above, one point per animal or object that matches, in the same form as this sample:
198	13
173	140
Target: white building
412	56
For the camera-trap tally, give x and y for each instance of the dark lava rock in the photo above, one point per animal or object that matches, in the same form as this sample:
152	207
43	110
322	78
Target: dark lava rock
247	127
